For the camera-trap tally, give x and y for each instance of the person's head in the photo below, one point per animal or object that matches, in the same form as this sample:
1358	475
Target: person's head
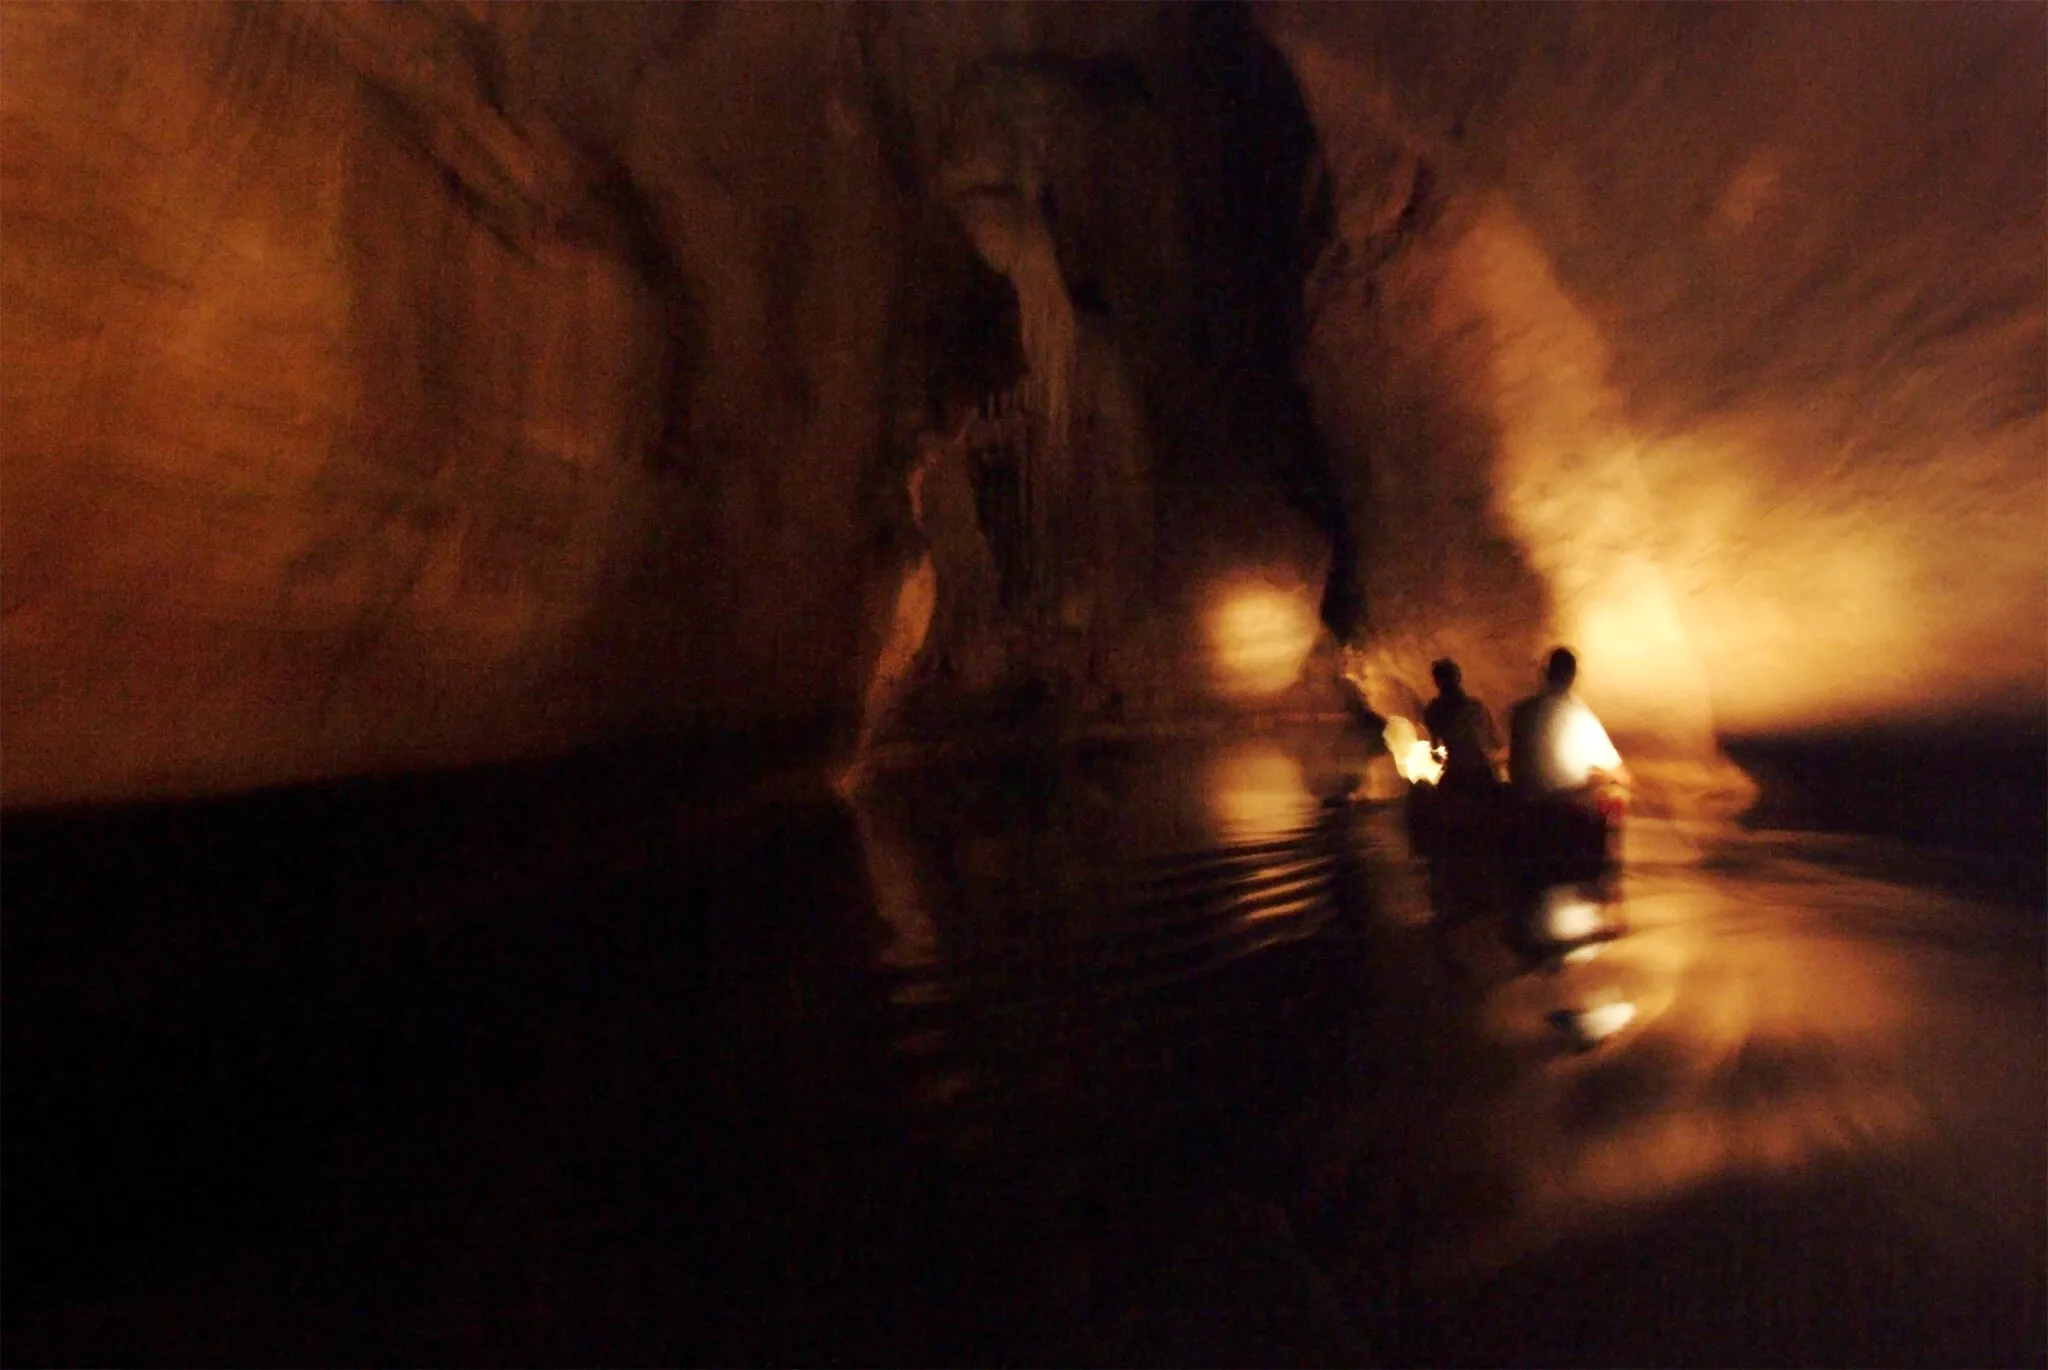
1562	669
1449	680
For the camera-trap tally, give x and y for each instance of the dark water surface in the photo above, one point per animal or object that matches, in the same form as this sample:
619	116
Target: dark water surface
1967	805
1141	1056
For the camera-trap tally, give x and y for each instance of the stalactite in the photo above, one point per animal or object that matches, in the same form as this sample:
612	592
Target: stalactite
1012	237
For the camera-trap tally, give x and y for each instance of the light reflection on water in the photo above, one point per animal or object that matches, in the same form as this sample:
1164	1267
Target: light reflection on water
1049	931
1049	942
1767	1042
1256	790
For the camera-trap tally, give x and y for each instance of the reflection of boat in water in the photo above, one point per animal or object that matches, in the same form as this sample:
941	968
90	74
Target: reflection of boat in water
1550	865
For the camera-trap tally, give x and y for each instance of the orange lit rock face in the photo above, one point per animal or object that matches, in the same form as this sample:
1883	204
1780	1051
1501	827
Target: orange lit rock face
404	385
401	385
1715	337
353	420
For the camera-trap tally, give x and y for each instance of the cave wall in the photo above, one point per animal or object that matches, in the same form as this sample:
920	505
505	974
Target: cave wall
1709	338
1118	166
378	394
397	385
393	385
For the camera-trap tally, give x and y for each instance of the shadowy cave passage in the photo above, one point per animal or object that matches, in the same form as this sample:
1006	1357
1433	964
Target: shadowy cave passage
745	684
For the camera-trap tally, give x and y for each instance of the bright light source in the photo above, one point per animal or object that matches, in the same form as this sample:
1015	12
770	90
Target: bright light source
1260	635
1417	761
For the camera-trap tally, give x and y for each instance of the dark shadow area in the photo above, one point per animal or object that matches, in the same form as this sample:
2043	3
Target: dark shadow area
379	1072
1133	1054
1660	1292
1962	806
1256	221
568	1064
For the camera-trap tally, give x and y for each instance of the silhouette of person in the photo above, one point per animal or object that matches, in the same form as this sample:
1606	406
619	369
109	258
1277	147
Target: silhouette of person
1462	726
1450	823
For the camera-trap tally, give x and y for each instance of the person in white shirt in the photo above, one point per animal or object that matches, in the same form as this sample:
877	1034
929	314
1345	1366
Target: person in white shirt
1556	747
1569	779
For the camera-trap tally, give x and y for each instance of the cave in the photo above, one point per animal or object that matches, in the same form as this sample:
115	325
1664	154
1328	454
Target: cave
749	683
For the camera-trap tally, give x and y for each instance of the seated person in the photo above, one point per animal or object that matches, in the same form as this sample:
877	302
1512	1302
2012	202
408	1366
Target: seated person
1558	757
1461	726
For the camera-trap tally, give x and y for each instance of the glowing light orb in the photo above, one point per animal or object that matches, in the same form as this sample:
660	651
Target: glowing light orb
1259	636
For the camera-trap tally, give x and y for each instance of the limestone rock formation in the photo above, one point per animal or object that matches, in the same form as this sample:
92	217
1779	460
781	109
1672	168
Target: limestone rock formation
409	384
1710	338
405	384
